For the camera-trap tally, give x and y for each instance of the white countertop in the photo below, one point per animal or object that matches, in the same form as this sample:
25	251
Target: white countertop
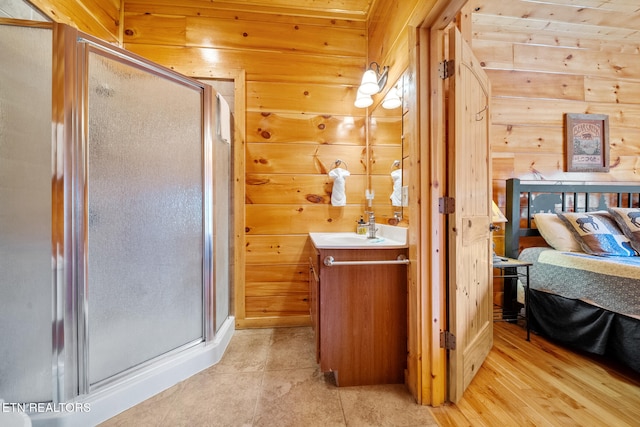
387	237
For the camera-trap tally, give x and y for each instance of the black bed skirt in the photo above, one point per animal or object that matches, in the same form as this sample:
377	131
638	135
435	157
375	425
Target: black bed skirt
586	327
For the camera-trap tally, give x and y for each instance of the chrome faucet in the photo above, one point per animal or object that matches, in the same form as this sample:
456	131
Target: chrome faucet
372	226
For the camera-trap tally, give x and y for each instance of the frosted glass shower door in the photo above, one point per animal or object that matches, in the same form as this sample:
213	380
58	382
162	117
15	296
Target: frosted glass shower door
26	264
144	201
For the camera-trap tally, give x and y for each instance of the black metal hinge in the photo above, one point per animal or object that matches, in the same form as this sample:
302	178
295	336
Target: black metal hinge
447	340
446	69
446	205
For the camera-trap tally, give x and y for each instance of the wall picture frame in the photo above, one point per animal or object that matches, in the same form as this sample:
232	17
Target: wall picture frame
587	142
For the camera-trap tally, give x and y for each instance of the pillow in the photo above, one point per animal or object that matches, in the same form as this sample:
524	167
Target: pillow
554	231
598	233
628	219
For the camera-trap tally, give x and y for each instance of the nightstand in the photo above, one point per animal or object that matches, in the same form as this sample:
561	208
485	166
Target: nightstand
511	270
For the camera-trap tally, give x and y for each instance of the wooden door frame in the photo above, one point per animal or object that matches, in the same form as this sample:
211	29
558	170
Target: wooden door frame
427	290
237	271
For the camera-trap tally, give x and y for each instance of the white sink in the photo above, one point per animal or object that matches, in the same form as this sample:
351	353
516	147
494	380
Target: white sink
387	236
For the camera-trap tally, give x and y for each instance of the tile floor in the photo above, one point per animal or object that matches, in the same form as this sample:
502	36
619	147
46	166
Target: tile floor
269	377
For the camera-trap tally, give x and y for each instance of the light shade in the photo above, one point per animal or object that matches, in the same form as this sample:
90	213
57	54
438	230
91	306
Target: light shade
369	83
496	213
363	100
391	100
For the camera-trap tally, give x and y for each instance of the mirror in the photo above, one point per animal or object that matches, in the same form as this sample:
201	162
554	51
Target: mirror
385	143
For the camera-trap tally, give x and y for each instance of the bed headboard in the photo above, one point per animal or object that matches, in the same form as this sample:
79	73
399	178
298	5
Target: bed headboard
525	198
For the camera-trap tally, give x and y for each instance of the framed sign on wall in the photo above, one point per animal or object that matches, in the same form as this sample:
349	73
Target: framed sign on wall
587	140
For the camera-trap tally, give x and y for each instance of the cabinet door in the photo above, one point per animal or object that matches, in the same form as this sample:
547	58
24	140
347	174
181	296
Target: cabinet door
363	317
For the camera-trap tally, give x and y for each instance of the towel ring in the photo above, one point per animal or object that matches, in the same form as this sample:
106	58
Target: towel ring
339	162
395	164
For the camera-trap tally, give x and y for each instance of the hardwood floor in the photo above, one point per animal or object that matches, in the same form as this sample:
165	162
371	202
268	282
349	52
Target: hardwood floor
539	383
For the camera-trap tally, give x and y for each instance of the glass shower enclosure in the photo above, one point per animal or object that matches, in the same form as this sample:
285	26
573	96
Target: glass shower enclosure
112	176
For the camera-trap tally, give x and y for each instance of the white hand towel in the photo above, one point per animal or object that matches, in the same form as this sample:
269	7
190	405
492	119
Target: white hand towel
396	195
338	195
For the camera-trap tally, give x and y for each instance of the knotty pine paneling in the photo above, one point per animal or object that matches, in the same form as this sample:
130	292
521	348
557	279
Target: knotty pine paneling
305	98
494	55
271	299
565	12
550	112
533	112
302	128
297	287
304	158
612	90
277	249
288	195
512	83
355	10
149	29
273	306
300	189
280	273
300	219
283	67
198	8
550	139
575	61
100	18
224	33
547	37
386	130
527	139
387	30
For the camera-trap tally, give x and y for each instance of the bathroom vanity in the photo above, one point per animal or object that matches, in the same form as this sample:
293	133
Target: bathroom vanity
358	305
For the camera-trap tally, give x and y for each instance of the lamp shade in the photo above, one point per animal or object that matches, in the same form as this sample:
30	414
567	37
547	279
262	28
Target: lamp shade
363	100
391	100
369	83
496	213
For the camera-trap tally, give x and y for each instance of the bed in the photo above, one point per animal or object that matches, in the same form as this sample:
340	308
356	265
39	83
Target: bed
584	243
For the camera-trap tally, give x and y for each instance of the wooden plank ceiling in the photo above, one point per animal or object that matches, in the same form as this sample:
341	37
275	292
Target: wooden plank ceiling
601	24
600	19
339	9
592	21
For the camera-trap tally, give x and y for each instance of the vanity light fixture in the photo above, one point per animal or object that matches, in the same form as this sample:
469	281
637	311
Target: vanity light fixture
392	99
363	100
373	81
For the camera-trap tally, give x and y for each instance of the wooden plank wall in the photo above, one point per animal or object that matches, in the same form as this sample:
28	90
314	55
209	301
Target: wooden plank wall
100	18
389	38
540	72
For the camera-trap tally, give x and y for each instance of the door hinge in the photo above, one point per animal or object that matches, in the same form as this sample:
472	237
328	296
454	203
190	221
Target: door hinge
446	69
447	340
446	205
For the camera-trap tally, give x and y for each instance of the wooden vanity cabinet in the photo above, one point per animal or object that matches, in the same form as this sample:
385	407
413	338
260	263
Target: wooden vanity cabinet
359	313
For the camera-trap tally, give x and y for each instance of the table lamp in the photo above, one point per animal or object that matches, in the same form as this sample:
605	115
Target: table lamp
497	217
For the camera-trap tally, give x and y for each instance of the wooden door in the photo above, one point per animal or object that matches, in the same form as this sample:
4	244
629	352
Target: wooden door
469	179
